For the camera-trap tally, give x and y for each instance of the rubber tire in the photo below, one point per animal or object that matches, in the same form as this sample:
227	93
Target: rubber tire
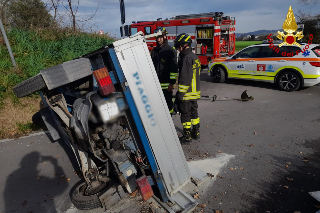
218	74
81	201
297	82
29	86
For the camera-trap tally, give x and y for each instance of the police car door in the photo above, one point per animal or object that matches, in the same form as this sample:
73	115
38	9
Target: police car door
242	64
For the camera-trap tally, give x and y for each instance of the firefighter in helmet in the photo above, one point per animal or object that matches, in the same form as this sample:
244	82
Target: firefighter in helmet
164	58
189	88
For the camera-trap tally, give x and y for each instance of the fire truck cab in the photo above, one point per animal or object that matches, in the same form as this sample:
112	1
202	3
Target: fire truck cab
213	35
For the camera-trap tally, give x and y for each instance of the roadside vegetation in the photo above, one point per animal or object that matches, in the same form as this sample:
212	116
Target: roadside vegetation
37	41
35	50
242	44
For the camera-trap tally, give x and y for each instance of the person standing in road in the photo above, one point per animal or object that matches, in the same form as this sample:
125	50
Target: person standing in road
188	88
164	58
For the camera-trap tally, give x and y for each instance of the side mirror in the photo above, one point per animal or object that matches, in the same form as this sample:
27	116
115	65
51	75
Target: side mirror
234	57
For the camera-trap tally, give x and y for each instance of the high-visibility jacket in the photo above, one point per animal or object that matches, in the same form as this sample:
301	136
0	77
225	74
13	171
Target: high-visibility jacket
189	75
165	62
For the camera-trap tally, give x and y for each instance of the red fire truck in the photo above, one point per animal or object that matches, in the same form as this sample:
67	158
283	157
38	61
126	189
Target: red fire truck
213	35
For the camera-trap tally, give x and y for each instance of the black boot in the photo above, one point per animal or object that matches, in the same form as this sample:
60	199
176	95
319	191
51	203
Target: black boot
195	133
186	137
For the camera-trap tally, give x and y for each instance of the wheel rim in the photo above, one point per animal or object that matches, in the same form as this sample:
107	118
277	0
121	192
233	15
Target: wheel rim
288	81
216	75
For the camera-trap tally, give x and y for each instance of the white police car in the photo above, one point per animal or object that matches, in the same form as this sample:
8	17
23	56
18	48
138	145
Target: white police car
290	67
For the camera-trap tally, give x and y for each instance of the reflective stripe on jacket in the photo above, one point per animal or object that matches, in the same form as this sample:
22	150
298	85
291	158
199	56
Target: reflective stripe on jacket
189	75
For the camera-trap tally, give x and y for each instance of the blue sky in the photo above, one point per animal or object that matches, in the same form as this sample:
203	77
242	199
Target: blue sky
250	15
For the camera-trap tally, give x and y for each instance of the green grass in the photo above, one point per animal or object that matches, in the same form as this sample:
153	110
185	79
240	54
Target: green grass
242	44
35	50
27	127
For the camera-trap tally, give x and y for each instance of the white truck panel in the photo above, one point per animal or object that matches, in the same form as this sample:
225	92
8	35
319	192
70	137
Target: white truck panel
144	85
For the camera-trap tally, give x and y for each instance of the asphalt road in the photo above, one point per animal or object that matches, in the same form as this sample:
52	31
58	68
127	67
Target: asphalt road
272	145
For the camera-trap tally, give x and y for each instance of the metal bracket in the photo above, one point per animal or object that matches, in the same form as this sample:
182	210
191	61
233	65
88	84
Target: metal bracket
58	104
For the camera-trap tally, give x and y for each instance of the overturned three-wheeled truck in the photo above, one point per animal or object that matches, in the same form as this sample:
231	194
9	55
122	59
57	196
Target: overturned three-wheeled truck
108	106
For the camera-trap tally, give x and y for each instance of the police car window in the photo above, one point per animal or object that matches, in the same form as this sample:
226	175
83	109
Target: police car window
266	52
133	31
147	30
251	52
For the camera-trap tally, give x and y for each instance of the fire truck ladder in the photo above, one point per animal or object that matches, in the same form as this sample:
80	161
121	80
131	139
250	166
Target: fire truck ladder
200	15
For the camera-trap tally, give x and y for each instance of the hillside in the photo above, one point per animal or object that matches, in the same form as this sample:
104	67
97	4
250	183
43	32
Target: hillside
258	32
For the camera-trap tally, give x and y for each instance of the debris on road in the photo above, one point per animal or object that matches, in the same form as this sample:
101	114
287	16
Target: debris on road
202	205
210	175
196	195
133	194
193	181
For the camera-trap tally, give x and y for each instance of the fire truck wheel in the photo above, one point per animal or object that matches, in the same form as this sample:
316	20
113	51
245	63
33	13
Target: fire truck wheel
218	75
82	201
29	86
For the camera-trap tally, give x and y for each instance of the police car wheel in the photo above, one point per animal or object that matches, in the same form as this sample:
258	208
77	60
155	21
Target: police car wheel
288	81
218	75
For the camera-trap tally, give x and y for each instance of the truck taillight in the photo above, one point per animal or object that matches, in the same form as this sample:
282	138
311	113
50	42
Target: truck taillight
315	64
144	187
104	81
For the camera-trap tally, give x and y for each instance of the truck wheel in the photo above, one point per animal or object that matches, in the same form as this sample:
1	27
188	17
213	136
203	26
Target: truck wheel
82	201
29	86
218	75
288	81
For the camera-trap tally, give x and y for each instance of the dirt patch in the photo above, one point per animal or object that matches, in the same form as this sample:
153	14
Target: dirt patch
13	117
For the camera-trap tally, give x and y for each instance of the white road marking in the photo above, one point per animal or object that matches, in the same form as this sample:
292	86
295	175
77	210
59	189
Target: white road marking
210	165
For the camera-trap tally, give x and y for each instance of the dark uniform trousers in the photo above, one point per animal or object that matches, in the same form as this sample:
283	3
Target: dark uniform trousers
189	111
168	97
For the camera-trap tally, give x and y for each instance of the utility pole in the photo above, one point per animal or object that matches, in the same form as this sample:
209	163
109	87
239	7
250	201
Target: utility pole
123	17
7	43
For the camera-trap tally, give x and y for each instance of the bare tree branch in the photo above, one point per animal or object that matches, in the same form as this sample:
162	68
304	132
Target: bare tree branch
55	5
91	17
73	16
312	2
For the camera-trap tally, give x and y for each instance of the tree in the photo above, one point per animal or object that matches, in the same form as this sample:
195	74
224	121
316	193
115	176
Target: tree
28	14
54	4
72	9
309	1
311	23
